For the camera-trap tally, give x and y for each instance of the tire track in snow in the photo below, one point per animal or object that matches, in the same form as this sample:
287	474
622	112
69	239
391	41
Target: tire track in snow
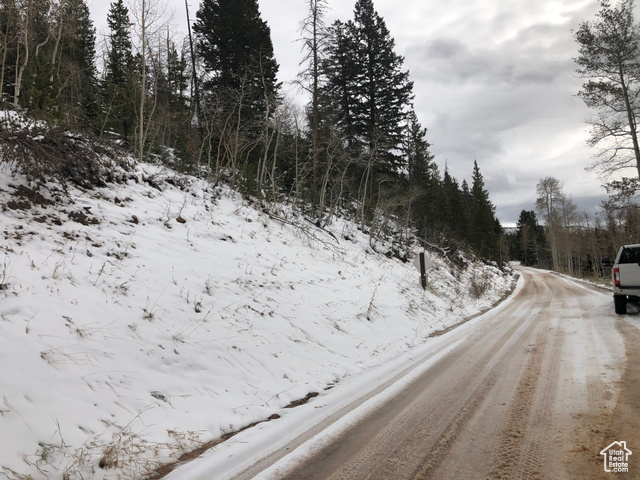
451	392
510	441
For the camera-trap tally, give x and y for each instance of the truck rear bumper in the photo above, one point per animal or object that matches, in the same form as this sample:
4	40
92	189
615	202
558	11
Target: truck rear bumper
627	291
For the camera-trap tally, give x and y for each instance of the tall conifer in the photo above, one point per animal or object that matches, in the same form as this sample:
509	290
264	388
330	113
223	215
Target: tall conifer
383	89
77	65
235	46
483	234
119	90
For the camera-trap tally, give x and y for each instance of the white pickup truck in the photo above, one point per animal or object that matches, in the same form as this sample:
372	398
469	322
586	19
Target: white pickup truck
626	277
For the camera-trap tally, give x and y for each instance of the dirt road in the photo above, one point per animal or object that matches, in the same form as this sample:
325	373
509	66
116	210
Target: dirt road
535	391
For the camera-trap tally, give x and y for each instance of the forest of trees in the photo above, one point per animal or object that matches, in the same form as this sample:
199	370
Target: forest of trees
210	103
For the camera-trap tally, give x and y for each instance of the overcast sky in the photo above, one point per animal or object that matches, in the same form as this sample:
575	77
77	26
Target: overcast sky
493	81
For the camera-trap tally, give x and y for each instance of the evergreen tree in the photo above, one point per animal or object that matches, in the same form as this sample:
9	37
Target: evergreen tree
467	196
467	210
530	242
367	85
235	46
421	168
120	57
119	89
483	232
336	97
171	112
383	91
38	85
452	209
41	86
48	55
77	65
10	33
177	75
366	97
422	174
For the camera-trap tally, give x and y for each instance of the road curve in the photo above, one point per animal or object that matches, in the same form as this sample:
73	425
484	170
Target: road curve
533	392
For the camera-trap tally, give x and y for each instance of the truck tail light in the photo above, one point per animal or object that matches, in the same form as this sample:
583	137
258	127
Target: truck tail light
616	277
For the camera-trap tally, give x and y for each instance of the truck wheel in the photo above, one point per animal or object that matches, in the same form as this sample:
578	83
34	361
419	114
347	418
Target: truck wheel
620	304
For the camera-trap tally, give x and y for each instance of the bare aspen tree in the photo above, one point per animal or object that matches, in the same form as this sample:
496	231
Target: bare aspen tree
24	43
345	160
142	19
561	219
550	196
56	47
280	119
296	132
150	21
235	142
195	91
154	127
331	161
268	135
366	187
568	215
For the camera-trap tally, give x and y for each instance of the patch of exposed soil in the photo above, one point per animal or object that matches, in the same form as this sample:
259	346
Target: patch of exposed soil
302	401
25	198
83	218
18	205
32	196
195	453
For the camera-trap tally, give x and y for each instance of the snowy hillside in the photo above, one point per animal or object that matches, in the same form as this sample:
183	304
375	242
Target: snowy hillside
143	320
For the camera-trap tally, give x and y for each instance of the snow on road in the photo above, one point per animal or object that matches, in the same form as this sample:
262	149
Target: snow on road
144	320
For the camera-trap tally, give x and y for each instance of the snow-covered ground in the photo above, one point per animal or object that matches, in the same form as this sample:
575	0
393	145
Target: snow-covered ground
143	320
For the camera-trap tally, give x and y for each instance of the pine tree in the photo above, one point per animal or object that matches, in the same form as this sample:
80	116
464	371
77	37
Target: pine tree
336	97
452	209
366	99
120	57
383	90
118	87
36	85
483	232
171	117
422	174
177	75
530	241
366	87
235	46
77	65
11	12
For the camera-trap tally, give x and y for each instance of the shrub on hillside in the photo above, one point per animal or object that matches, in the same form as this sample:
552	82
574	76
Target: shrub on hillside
42	152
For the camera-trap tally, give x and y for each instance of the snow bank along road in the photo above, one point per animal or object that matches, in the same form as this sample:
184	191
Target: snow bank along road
534	389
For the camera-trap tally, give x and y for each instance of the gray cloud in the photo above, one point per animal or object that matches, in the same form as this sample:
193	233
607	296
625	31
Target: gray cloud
450	61
502	92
